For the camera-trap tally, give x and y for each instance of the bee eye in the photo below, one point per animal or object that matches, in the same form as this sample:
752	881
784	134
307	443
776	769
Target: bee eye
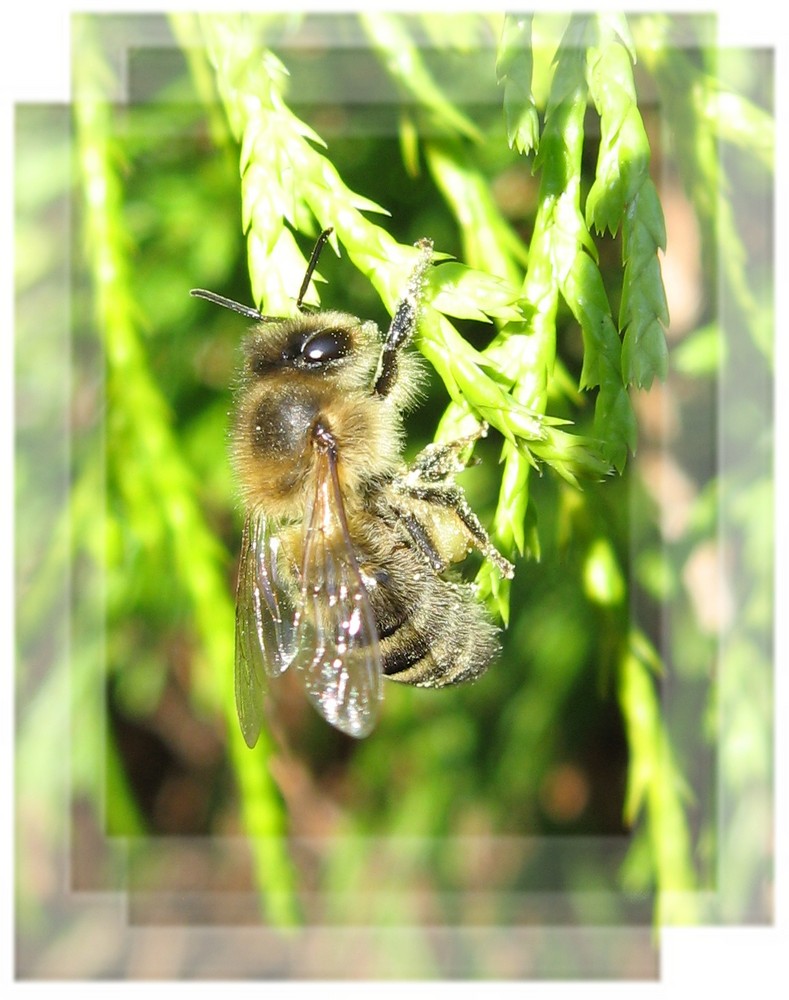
325	345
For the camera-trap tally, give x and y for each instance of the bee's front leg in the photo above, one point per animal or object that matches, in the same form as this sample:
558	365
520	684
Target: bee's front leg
404	318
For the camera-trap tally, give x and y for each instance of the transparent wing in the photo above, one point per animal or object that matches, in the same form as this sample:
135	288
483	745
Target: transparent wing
265	640
336	634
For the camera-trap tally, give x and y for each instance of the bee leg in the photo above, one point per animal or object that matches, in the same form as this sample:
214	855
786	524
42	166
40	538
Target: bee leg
403	323
445	495
421	539
439	460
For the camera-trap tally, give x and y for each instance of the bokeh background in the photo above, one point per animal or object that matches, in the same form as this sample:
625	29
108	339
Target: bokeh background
488	831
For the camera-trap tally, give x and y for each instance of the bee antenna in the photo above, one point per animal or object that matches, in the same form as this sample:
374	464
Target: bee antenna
219	300
320	243
249	311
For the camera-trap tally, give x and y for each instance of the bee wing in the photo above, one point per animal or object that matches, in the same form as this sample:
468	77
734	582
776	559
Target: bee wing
264	622
336	634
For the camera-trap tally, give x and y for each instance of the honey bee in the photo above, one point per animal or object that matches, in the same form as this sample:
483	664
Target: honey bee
345	550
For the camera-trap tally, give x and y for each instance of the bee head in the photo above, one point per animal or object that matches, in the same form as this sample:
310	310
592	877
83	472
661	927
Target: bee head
319	346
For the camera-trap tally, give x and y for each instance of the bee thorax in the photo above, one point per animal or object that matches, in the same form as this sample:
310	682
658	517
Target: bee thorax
282	427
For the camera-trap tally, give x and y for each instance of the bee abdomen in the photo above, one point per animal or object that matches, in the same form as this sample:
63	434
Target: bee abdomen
445	639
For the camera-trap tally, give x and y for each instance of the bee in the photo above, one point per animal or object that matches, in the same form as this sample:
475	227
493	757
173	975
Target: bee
345	551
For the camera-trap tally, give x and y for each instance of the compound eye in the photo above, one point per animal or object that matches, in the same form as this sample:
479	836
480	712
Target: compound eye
325	345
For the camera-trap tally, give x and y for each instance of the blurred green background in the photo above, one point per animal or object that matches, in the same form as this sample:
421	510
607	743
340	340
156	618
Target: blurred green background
612	770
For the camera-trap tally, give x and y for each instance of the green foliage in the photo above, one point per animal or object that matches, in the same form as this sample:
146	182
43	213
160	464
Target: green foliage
623	193
513	70
146	470
521	145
